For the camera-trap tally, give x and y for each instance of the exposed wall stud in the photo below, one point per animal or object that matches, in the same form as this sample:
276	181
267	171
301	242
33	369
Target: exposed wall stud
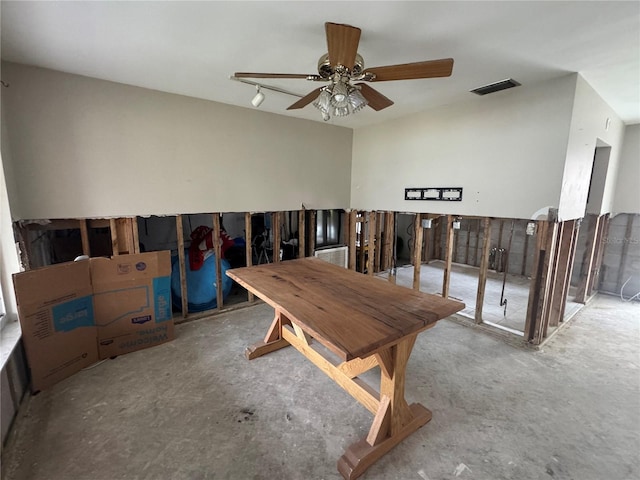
248	248
183	268
218	254
302	234
484	267
446	277
417	249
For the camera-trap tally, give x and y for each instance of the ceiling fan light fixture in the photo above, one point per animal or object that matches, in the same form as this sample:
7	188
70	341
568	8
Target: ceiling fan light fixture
340	111
339	95
356	100
323	102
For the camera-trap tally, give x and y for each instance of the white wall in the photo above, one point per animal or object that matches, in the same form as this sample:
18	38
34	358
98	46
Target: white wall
627	191
588	129
9	263
83	147
507	151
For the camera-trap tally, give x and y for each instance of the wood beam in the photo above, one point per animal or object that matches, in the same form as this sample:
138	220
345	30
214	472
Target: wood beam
417	250
218	254
311	228
276	222
183	268
84	235
484	267
379	243
371	245
302	234
113	228
446	277
625	251
248	249
590	252
352	239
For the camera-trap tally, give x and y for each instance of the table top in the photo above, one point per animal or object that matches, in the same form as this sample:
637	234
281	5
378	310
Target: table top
351	314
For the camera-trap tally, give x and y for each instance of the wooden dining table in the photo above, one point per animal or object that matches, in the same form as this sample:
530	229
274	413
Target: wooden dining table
347	323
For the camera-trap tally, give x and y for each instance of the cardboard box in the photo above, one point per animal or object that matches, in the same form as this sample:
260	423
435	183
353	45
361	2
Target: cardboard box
73	314
132	302
55	306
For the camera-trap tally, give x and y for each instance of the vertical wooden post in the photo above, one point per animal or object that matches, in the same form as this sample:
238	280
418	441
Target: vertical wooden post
114	237
572	258
446	278
361	240
500	233
565	244
537	309
217	252
456	249
599	253
592	242
536	273
312	232
84	235
302	235
136	235
542	320
554	269
248	248
183	268
378	256
417	258
388	240
276	221
484	267
352	239
371	247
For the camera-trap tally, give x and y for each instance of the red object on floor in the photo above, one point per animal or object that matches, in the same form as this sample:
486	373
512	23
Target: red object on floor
203	233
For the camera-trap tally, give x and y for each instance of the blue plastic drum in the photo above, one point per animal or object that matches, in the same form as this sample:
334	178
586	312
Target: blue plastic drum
201	284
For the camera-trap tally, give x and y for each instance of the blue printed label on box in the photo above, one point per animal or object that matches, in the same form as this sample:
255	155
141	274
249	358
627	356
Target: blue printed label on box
73	314
162	298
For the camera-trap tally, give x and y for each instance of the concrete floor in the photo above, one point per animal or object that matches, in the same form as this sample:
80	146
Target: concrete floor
196	409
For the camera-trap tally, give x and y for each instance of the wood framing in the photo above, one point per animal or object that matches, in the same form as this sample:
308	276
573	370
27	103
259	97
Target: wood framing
571	263
362	244
417	250
217	252
183	268
353	214
625	249
371	244
379	242
84	236
594	281
446	276
248	249
389	233
276	223
563	261
113	229
588	266
484	267
302	234
311	228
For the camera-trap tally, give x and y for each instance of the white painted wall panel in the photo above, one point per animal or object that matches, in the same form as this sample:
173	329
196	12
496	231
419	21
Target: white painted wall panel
627	191
83	147
507	150
588	125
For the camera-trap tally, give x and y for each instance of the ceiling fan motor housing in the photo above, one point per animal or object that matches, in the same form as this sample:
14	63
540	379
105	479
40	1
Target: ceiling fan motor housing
325	70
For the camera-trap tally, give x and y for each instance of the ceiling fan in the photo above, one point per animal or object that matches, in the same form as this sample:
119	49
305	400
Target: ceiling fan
343	65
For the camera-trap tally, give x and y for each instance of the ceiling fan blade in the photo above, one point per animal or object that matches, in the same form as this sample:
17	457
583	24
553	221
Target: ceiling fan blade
410	71
376	100
342	44
271	75
306	100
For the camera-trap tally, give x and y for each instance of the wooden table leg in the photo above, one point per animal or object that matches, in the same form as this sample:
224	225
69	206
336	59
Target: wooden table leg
272	341
394	421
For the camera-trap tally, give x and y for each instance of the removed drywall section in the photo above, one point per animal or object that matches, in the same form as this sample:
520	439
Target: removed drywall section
90	148
507	151
620	270
593	123
627	196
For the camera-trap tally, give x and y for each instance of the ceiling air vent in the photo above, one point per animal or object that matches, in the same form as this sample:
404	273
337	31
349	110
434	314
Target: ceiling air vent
495	87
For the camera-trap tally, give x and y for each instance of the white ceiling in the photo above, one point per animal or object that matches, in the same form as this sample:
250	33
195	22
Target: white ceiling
191	48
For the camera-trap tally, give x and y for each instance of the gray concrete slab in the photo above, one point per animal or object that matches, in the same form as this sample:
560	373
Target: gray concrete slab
196	409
